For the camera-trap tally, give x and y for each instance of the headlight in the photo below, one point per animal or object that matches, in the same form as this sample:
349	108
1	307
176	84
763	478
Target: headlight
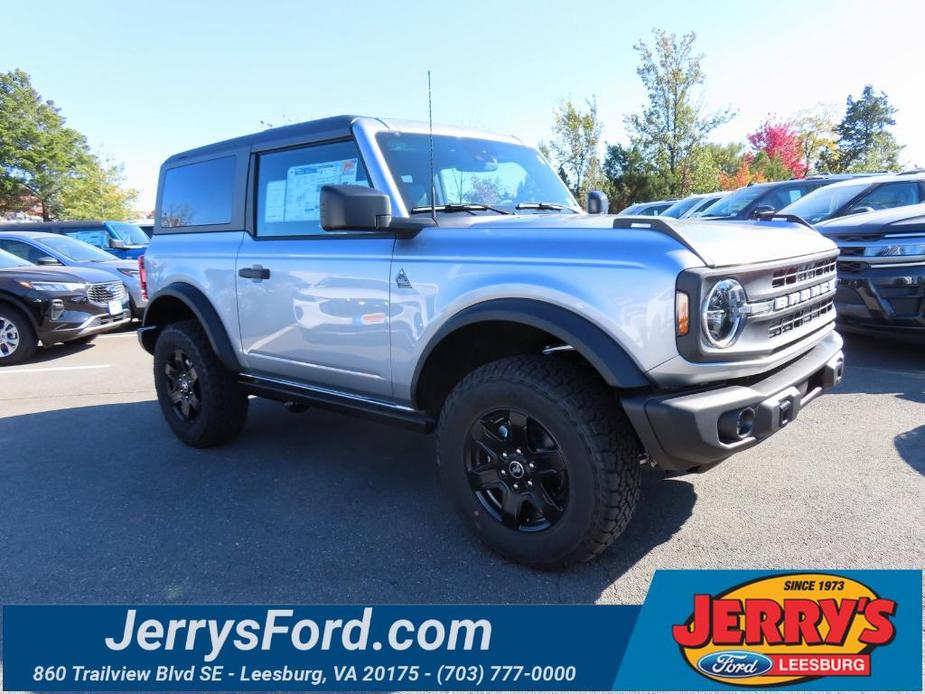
723	313
901	249
54	286
129	272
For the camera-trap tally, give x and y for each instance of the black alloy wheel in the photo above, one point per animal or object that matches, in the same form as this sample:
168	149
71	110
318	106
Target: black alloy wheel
516	470
183	386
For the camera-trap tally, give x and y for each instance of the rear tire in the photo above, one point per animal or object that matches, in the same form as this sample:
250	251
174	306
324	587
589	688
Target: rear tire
558	430
199	397
18	341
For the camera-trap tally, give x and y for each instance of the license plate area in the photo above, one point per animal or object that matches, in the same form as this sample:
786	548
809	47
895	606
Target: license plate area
115	308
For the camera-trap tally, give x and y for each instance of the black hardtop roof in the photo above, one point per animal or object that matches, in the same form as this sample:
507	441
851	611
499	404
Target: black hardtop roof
332	127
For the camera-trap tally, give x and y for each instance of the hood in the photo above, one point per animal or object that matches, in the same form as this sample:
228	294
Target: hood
56	274
909	215
718	244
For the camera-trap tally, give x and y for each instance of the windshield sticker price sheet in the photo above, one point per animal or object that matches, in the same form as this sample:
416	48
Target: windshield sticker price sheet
697	630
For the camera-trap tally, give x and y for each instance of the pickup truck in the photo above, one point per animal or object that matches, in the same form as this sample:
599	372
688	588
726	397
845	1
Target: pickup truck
447	280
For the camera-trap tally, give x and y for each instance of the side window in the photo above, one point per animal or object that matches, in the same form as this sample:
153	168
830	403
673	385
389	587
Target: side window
779	198
95	237
289	186
22	250
890	195
198	194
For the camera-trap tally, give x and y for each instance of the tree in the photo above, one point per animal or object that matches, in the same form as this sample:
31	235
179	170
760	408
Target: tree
630	177
779	142
673	125
42	161
575	147
710	162
97	192
863	142
815	128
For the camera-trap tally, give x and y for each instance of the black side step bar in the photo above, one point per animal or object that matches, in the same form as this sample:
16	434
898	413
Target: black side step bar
347	403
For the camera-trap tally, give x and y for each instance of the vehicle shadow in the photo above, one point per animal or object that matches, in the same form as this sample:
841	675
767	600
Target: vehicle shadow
880	366
52	352
103	504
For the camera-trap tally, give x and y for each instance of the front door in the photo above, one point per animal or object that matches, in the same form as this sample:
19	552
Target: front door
313	305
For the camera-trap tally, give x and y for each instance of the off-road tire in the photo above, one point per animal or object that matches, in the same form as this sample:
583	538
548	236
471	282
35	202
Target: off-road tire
223	405
602	454
28	342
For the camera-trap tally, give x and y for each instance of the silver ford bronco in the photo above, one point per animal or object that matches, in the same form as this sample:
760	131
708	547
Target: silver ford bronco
448	280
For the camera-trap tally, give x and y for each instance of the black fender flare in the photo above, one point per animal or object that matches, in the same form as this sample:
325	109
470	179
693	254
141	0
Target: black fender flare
200	306
602	351
18	303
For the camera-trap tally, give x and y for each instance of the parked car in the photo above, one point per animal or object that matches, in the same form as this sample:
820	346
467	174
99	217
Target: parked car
551	357
881	271
753	200
647	209
122	239
49	305
860	195
44	248
692	204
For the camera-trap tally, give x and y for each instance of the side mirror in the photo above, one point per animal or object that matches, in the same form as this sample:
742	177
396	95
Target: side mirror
47	260
118	244
354	208
763	209
860	210
597	202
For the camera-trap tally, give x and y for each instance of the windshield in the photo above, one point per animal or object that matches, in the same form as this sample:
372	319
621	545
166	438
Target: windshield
75	250
471	171
129	233
735	202
8	260
681	206
823	202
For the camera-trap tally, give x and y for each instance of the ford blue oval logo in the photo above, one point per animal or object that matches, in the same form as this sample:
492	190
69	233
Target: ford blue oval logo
734	664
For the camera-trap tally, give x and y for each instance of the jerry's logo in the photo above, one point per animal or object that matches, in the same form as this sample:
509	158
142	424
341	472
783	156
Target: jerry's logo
786	629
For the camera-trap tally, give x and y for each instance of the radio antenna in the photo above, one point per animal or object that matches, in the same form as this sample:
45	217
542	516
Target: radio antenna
433	185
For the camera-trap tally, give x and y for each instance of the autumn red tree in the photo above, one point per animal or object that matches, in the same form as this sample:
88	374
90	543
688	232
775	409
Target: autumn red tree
781	143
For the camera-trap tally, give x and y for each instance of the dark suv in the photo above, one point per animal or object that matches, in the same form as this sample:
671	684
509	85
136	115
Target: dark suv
51	305
881	271
856	196
759	198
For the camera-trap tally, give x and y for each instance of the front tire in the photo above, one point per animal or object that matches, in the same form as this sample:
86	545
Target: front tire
539	459
199	397
18	341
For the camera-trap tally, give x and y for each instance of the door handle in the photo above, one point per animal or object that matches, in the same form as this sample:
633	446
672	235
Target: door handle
255	272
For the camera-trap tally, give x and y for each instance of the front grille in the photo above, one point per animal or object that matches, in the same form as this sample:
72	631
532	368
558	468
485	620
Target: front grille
852	267
800	318
105	292
801	273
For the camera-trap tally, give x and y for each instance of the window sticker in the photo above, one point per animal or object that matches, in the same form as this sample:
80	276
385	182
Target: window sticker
303	187
275	206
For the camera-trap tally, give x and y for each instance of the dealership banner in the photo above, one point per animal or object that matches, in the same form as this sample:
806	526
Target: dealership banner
697	630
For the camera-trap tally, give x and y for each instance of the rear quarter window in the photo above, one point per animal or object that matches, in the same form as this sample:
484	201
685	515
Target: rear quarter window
200	194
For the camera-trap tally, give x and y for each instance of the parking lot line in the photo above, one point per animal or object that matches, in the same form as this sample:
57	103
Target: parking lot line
5	372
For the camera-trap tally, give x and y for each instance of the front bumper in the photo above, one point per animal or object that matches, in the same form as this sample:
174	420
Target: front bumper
883	301
78	319
684	430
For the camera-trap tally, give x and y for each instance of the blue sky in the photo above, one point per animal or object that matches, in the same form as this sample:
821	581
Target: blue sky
145	79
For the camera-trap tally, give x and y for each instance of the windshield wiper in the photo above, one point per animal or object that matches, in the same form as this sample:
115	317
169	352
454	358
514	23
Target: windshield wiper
470	207
553	206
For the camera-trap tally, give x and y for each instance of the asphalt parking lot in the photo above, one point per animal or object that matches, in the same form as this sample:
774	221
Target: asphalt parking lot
101	504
